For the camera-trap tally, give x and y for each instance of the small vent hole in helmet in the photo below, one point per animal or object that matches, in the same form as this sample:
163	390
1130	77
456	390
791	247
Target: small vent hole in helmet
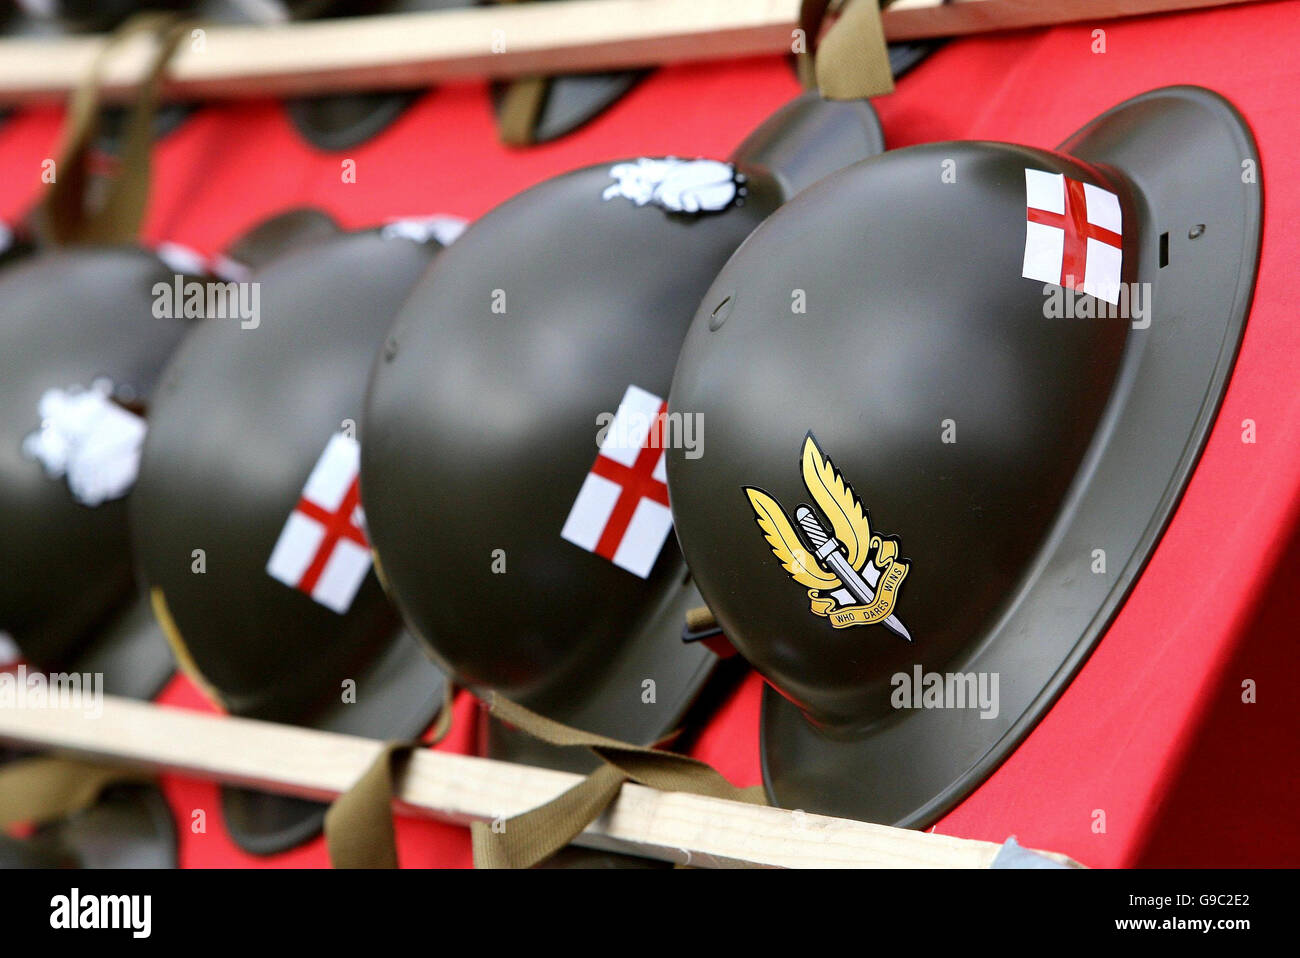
721	312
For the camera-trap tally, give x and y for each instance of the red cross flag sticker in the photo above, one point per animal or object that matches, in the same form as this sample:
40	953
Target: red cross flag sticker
1072	235
323	549
621	511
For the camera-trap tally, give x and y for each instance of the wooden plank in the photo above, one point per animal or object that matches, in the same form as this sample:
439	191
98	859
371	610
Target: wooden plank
921	19
418	49
421	49
319	765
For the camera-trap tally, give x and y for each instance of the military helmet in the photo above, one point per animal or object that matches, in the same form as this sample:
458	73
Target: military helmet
81	351
248	524
952	396
80	355
493	507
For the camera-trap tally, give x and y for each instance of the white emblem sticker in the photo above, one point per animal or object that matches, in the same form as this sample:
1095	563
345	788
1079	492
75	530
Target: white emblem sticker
91	440
679	186
445	229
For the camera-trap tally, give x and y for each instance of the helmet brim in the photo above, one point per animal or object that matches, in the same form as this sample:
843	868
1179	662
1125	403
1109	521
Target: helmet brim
613	704
346	120
396	698
616	710
130	826
573	100
130	652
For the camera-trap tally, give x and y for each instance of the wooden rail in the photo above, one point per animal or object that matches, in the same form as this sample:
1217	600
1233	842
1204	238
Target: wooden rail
670	826
421	49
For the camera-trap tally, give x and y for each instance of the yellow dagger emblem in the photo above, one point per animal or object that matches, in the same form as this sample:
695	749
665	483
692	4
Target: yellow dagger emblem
852	575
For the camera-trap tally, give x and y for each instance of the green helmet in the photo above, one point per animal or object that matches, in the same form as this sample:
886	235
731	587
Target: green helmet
953	395
80	355
247	520
482	455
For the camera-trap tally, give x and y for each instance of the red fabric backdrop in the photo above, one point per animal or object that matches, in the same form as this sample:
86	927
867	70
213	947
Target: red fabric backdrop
1153	732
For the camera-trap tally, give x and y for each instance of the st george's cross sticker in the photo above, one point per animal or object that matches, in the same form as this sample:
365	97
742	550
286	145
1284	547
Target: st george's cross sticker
621	511
323	550
1073	235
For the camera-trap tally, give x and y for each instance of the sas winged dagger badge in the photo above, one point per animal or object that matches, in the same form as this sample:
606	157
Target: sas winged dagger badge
852	575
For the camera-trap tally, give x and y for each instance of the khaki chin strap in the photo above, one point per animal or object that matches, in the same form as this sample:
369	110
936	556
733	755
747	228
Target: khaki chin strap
852	61
180	651
39	790
700	618
359	824
535	835
521	107
64	215
43	789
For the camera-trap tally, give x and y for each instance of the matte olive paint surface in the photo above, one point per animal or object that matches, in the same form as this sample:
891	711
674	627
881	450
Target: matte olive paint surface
481	426
901	335
68	318
1072	434
241	418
